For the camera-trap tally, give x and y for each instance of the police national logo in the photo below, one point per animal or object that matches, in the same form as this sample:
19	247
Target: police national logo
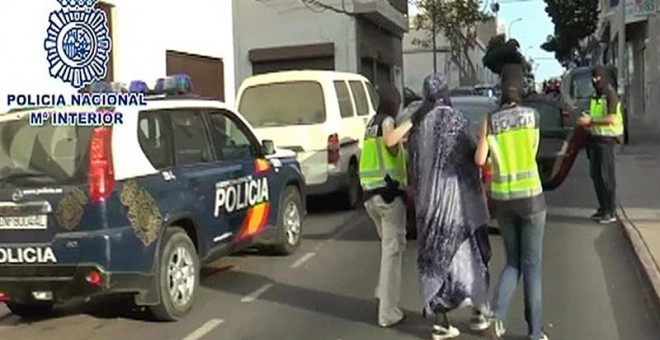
77	3
78	45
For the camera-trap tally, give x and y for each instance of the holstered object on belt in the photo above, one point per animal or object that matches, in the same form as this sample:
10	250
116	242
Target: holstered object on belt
391	190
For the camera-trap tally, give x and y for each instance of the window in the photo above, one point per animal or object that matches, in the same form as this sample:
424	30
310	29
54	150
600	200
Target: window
48	154
344	99
283	104
190	138
230	138
360	95
153	141
581	86
373	95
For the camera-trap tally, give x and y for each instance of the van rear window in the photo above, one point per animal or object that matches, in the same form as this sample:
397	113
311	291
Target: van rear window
282	104
44	154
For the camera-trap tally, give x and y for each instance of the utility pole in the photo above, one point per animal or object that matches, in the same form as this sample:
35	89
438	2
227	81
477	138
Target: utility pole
623	65
435	48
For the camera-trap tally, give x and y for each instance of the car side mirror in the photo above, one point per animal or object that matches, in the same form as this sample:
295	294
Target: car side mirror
268	147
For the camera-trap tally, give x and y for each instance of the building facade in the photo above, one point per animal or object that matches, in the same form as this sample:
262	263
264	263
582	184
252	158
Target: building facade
359	36
460	71
150	39
642	54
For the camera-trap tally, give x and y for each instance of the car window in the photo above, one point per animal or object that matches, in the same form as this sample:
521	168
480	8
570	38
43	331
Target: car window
373	95
282	104
549	113
581	86
60	153
191	142
360	95
344	99
153	139
230	138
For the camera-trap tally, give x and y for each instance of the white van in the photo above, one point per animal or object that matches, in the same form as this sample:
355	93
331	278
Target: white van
321	115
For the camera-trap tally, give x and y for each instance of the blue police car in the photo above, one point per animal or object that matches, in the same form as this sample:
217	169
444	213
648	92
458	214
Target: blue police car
138	207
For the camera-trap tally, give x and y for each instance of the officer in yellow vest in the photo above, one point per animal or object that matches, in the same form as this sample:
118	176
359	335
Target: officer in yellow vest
605	123
511	135
383	178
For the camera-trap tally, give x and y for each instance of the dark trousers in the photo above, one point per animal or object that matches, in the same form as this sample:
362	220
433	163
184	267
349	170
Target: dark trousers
602	170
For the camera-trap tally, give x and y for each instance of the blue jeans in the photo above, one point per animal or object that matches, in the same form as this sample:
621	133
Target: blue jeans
523	243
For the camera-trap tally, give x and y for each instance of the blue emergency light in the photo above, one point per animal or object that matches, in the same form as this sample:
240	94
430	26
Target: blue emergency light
101	87
138	86
176	84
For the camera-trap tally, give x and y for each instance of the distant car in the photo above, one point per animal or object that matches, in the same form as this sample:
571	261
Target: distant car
463	91
557	150
487	90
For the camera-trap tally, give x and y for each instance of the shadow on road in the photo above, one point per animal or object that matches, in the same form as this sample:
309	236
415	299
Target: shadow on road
617	257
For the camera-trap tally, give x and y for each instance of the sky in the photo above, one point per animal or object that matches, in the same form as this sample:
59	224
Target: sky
531	32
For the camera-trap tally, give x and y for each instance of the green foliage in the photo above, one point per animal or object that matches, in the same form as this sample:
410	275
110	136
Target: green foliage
574	21
500	52
457	21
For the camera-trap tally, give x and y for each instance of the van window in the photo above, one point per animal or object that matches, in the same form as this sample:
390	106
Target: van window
375	101
344	99
282	104
360	95
581	86
46	154
153	139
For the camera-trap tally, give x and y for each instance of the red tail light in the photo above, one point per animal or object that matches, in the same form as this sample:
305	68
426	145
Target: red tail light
3	297
101	171
333	149
94	278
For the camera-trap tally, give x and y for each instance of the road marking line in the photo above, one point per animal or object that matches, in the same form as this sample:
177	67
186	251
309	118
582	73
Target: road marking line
204	329
254	295
303	259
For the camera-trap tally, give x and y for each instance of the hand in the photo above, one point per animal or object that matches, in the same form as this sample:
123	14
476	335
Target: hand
585	120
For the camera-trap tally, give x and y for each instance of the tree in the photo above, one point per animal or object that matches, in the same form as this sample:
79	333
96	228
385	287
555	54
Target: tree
500	52
457	20
574	21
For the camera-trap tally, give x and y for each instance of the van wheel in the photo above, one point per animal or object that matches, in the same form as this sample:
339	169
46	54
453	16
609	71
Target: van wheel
178	276
353	192
289	222
30	310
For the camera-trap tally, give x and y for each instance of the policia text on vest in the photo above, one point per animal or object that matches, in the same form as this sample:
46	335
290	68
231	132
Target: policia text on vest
513	137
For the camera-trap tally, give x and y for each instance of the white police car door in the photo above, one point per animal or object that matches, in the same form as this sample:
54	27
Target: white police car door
246	197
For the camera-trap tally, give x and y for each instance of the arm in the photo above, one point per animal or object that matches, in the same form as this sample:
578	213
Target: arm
482	145
393	136
612	106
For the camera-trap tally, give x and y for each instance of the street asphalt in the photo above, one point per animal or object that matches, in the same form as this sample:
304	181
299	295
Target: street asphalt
592	289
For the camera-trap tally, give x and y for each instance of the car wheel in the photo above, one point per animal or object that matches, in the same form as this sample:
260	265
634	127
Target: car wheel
178	276
30	310
289	222
353	192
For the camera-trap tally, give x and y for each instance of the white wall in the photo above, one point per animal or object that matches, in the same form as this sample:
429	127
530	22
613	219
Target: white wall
142	31
275	23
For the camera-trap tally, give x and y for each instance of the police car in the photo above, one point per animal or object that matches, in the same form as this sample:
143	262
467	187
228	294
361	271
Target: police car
137	208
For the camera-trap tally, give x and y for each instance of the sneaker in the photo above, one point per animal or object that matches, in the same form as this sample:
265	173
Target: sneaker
497	328
387	325
479	322
598	215
544	337
441	333
607	218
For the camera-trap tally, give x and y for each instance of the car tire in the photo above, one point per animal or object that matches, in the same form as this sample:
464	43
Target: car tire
289	222
177	261
30	310
353	192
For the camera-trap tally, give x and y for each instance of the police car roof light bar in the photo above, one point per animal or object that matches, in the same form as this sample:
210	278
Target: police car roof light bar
178	84
138	86
101	87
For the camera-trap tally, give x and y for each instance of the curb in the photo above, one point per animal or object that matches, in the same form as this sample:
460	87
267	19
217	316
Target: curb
649	265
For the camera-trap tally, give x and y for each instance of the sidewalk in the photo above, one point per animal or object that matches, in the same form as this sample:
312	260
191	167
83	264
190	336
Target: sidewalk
638	190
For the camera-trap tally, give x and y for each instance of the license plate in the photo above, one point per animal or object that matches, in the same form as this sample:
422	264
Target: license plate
24	222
